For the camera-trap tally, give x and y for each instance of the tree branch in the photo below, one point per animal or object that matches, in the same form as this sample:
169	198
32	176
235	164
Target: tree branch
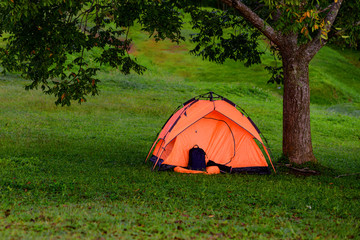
325	9
317	43
255	20
331	16
349	174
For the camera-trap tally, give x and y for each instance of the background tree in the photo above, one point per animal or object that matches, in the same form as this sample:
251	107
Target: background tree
44	36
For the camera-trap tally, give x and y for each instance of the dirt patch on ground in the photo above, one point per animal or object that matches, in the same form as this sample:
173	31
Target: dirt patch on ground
176	48
132	48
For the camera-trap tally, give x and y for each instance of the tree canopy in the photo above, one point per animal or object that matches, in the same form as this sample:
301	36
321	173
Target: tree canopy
41	36
307	22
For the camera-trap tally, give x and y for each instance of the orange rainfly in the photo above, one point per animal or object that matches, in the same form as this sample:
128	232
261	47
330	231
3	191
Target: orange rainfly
229	139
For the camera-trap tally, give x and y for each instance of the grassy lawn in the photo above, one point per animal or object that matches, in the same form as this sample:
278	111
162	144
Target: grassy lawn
79	171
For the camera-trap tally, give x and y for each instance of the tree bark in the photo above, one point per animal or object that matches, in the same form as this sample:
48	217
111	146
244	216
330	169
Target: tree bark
297	145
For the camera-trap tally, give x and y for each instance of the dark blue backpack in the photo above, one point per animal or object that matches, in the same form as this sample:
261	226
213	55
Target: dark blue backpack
197	159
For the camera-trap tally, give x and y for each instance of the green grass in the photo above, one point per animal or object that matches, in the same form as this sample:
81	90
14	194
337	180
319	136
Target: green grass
79	171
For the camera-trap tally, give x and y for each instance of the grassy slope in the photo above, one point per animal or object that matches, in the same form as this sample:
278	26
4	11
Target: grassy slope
79	171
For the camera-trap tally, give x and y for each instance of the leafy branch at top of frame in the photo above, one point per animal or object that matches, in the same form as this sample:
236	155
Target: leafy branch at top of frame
48	45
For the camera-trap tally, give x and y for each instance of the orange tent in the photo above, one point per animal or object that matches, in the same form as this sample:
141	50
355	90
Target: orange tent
228	136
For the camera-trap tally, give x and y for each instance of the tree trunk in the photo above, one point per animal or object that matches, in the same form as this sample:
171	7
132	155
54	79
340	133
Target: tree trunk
297	146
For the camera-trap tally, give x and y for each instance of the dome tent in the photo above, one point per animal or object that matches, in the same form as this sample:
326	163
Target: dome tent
230	139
